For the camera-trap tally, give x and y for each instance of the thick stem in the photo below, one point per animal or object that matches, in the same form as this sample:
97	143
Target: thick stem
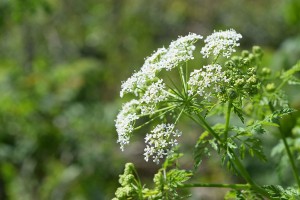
227	120
287	148
237	163
218	185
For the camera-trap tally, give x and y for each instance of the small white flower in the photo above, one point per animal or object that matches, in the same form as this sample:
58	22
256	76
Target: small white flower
221	42
207	80
160	141
153	63
180	50
147	109
125	120
155	93
134	84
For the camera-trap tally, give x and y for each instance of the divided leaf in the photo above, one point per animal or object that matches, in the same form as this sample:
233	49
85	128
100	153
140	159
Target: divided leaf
201	149
239	113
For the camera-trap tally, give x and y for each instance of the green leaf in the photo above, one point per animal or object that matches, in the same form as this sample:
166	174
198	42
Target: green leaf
230	195
294	81
279	149
283	112
242	151
171	159
277	191
256	128
275	116
289	73
255	148
201	149
242	195
176	177
239	113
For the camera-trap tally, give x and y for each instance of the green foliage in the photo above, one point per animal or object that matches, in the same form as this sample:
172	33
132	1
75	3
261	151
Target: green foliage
275	191
242	195
280	193
201	149
166	182
130	185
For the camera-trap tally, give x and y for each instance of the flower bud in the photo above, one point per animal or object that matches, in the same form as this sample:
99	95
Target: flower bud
239	82
229	64
248	108
270	87
257	52
251	57
252	80
235	59
266	71
245	53
232	94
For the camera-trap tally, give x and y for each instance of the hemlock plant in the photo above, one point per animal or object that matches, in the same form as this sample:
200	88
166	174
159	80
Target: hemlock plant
230	84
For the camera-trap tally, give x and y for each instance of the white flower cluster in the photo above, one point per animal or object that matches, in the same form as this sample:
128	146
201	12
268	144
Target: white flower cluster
161	141
179	51
155	93
207	80
221	42
145	85
154	99
138	81
125	121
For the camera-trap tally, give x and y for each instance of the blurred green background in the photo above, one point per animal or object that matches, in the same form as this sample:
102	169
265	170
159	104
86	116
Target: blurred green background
61	67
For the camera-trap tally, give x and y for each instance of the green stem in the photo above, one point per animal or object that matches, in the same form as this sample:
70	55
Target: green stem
227	120
167	109
287	148
218	185
139	184
236	160
237	163
186	71
183	81
179	115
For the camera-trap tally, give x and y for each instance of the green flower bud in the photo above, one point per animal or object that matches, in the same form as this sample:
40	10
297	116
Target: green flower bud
232	94
256	50
128	168
270	87
266	71
235	59
252	91
246	61
250	122
251	57
252	80
158	179
239	82
248	108
251	70
245	53
229	64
